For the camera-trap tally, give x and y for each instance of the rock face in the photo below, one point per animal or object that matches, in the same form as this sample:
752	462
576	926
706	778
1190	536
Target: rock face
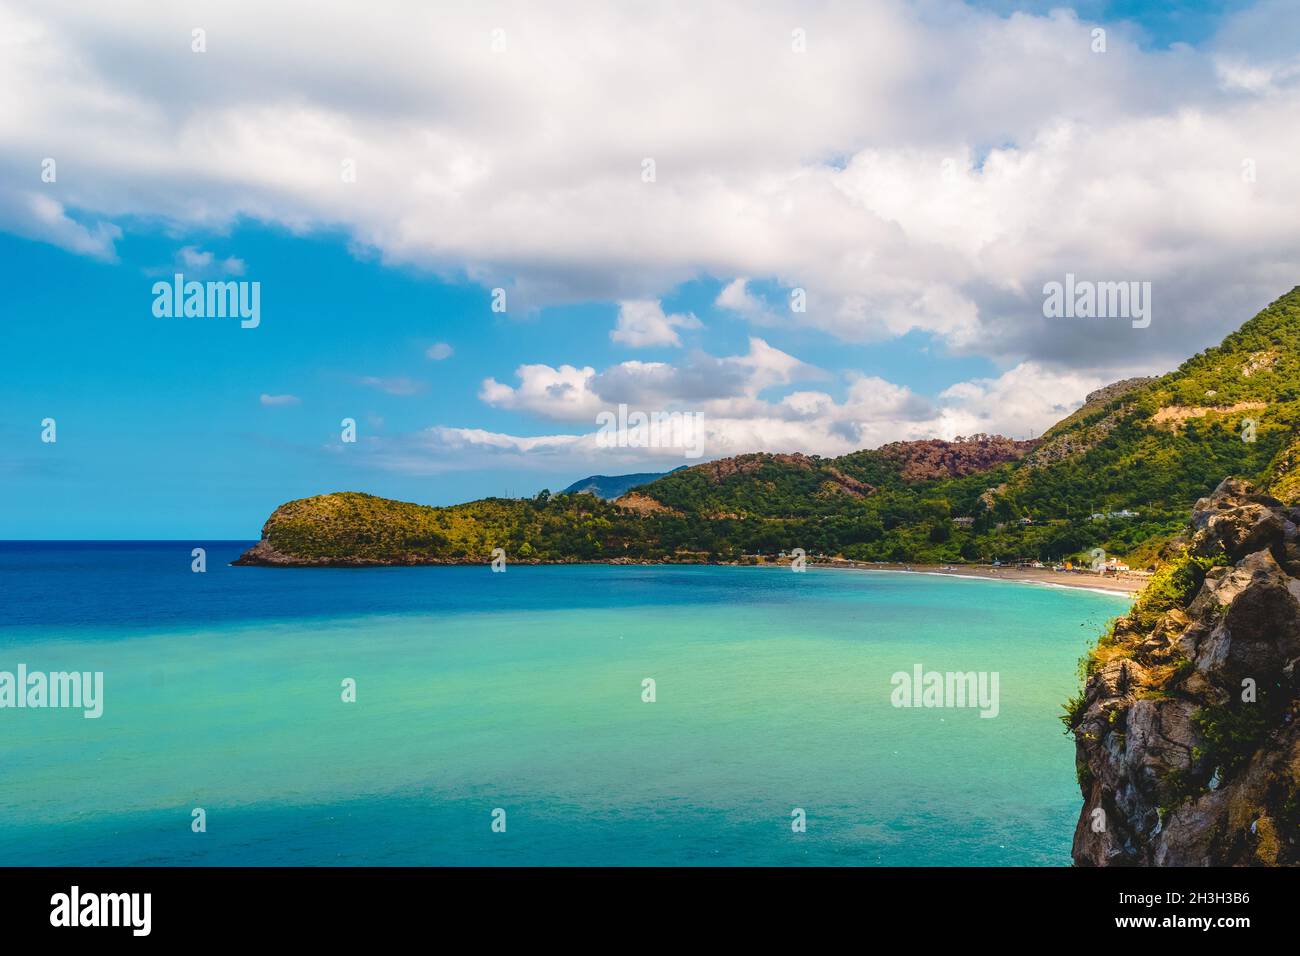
1187	747
935	460
1115	389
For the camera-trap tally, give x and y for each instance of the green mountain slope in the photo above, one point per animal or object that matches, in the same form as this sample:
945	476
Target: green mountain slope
1145	446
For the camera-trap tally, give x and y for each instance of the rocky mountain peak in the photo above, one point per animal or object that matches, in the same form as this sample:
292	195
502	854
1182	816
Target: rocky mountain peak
1115	389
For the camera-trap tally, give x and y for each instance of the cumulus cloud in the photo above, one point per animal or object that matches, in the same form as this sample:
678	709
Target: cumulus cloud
742	403
703	382
1021	402
736	297
438	351
39	216
562	393
198	264
273	400
643	324
920	167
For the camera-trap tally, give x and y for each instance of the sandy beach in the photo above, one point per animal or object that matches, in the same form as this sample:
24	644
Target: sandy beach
1086	580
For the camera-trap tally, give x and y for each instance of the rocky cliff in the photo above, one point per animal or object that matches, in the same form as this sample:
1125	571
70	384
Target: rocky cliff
1187	747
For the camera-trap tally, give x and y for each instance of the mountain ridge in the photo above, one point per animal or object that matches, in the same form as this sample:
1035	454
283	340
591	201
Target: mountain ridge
610	487
1118	474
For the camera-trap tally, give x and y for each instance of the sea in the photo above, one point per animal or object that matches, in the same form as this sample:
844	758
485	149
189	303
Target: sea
560	715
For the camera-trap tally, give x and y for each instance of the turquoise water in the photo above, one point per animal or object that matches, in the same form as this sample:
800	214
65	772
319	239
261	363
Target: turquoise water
523	691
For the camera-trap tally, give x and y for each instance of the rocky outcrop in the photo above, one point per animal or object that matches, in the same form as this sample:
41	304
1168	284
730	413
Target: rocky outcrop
643	504
723	468
935	459
1187	747
1108	393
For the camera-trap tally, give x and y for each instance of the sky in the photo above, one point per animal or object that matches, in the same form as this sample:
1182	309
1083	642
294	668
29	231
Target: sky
474	228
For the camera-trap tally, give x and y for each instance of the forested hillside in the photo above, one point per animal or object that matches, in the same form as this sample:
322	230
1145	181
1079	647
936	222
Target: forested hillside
1119	474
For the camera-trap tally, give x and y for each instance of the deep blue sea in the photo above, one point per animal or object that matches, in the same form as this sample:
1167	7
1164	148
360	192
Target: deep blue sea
521	698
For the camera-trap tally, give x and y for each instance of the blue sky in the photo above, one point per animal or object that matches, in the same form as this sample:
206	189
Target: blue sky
161	424
920	223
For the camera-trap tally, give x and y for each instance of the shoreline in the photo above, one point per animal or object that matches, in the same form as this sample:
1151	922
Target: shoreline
1127	586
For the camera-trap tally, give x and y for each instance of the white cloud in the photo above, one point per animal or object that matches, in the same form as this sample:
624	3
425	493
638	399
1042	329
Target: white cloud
522	168
736	416
42	217
197	263
736	297
273	400
562	394
573	394
1024	400
643	324
770	366
438	351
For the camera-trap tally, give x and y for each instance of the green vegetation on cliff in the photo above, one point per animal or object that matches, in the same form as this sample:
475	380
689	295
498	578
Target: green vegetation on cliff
1185	742
355	528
